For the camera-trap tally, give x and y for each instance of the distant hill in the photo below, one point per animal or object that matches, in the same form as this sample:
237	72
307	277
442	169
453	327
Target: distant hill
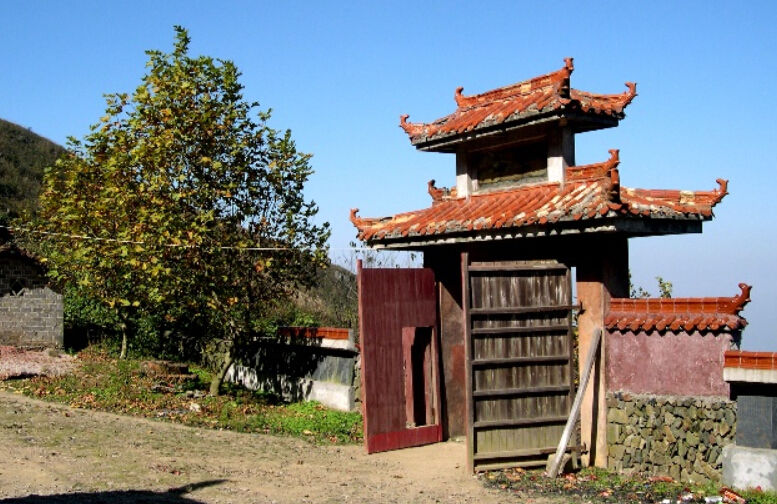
23	156
333	300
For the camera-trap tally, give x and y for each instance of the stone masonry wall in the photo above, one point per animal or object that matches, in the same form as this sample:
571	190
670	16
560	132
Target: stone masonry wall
681	437
30	312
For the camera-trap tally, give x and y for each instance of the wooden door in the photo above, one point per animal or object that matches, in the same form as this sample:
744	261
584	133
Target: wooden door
519	360
399	357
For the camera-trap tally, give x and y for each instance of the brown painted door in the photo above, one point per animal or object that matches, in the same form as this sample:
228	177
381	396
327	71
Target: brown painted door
399	358
519	363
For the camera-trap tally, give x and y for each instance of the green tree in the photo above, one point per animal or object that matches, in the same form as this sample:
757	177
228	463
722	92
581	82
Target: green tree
665	289
183	201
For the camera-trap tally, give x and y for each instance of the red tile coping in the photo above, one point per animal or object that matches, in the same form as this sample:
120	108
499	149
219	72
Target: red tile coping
591	192
678	314
549	92
750	360
336	333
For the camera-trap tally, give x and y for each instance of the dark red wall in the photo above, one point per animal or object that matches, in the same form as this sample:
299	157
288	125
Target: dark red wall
667	364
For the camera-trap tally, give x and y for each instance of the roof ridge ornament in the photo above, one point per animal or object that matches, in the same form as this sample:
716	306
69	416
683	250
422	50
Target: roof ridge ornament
611	167
410	128
739	301
435	192
360	221
439	194
459	97
721	192
615	159
630	94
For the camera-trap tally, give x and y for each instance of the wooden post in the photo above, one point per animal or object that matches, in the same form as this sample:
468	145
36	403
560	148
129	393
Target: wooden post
572	420
602	274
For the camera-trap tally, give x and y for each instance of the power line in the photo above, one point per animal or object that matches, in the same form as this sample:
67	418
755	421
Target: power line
170	245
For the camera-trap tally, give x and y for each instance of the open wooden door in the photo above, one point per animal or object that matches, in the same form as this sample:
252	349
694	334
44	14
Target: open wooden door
399	357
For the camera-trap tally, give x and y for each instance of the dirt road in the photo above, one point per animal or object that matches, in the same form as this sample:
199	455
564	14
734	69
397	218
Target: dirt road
81	456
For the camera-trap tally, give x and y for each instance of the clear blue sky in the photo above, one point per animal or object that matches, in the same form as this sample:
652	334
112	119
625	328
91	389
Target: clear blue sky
340	74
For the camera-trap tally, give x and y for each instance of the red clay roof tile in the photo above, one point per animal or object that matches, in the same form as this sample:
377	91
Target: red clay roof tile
591	192
689	314
750	360
516	102
336	333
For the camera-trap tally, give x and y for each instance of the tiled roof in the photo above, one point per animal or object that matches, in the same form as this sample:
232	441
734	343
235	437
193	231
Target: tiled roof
590	192
12	249
678	314
518	102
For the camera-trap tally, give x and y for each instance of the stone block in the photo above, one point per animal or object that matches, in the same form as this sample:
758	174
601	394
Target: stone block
617	416
617	452
613	432
682	448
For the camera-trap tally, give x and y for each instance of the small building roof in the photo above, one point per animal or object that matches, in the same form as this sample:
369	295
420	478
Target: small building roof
590	200
11	249
546	97
678	314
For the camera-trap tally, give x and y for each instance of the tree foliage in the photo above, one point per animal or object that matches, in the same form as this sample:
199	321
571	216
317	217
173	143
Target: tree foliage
665	289
172	193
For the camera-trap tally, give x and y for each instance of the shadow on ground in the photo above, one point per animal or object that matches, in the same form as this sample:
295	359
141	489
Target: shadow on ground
172	496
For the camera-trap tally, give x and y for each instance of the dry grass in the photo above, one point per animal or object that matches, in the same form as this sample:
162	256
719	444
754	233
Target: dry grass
21	363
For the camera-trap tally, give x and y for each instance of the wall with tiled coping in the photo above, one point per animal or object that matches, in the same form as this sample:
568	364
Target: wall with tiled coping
668	407
304	364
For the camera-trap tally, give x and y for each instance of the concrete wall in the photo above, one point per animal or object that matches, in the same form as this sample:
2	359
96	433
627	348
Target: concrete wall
30	312
679	364
303	368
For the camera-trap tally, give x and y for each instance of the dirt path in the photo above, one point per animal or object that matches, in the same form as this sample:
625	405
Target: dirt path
82	456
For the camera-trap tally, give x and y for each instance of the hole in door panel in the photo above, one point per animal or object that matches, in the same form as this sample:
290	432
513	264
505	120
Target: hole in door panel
419	376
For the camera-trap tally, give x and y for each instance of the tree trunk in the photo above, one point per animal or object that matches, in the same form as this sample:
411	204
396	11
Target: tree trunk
218	378
123	354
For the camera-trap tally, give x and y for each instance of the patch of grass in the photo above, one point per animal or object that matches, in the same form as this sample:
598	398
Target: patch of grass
593	485
759	497
104	383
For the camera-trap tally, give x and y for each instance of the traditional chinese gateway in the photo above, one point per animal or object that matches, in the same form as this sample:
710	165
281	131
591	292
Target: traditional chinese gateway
481	341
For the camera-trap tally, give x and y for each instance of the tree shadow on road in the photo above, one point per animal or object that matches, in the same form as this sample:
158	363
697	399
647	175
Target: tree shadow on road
172	496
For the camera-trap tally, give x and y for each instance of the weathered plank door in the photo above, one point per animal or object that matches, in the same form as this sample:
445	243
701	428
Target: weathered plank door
519	361
399	357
